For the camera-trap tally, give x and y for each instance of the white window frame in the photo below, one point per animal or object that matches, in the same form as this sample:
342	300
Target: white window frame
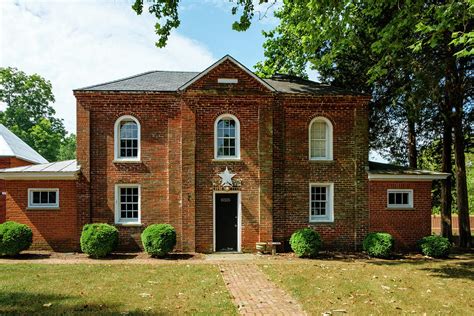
117	157
329	217
399	206
237	137
118	219
31	205
329	138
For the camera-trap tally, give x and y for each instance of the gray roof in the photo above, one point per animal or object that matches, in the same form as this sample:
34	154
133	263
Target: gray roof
12	146
377	168
66	170
172	81
147	81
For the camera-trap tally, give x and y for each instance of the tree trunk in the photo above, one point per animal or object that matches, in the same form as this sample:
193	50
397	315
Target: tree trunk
465	238
412	152
446	185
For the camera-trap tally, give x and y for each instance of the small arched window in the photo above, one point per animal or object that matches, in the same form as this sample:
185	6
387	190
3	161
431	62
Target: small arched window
227	137
127	139
320	139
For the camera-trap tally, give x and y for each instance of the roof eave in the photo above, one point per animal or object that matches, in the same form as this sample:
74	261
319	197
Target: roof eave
34	175
407	177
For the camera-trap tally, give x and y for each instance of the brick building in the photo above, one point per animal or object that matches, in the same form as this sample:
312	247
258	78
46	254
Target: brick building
227	158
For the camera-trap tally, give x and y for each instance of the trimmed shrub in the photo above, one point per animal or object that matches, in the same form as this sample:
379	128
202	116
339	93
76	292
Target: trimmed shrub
378	245
435	246
98	240
14	238
305	242
159	239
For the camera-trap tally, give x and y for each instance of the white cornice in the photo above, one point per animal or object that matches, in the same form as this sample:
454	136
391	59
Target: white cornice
39	175
407	177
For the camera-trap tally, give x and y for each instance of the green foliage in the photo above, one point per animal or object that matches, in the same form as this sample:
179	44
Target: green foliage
305	242
378	245
167	15
435	246
29	114
14	238
159	239
67	150
98	240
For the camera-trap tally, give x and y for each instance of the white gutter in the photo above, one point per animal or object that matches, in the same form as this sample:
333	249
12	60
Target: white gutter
65	175
407	177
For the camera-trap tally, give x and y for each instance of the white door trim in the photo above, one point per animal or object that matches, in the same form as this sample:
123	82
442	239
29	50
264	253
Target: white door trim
239	218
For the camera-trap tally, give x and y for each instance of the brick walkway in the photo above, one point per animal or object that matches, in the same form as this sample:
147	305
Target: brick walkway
254	294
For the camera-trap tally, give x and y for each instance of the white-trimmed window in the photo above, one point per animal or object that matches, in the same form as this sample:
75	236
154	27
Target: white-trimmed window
227	137
400	198
320	139
127	204
43	198
321	201
127	139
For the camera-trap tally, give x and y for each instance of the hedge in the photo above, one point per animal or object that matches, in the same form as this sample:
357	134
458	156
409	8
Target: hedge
14	238
159	239
305	242
435	246
98	240
379	244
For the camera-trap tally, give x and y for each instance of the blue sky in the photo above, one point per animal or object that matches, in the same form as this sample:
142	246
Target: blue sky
78	43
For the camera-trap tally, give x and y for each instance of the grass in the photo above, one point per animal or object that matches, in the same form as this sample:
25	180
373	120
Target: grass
379	286
113	289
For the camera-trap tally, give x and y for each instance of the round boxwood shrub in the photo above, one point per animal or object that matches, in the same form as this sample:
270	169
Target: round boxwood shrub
435	246
378	245
305	242
159	239
98	240
14	238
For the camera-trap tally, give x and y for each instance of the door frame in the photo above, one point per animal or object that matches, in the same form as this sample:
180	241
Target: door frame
239	218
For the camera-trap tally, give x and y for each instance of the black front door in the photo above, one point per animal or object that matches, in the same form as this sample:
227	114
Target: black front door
226	221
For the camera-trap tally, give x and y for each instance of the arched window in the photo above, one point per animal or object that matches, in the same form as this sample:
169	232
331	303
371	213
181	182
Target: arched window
227	137
320	139
127	139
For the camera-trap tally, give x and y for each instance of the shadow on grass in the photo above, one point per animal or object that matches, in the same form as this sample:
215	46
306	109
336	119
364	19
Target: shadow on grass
28	256
461	270
24	303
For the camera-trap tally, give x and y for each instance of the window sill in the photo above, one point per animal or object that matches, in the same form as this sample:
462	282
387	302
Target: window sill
315	222
129	224
322	160
126	161
226	159
400	209
43	208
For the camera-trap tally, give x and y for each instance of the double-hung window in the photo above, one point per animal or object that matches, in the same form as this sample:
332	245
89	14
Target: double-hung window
127	139
321	202
127	204
43	198
227	137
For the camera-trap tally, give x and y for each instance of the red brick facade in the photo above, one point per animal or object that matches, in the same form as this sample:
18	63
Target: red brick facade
177	169
407	226
7	162
54	229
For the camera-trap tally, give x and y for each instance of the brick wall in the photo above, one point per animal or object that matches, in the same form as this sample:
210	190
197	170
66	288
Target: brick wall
7	162
52	229
177	160
406	226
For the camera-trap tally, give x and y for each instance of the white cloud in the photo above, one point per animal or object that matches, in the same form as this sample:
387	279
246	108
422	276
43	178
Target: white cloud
75	44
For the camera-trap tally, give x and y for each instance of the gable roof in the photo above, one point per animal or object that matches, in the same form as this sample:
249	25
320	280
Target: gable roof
383	171
64	170
13	146
220	61
174	81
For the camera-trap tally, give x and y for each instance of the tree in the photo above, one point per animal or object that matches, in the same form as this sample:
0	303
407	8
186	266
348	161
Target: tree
67	150
167	16
28	113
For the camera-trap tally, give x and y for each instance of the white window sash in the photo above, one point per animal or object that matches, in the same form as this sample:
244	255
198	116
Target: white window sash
329	216
118	216
400	191
31	204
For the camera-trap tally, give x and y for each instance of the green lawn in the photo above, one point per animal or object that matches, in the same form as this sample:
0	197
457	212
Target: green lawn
113	289
379	287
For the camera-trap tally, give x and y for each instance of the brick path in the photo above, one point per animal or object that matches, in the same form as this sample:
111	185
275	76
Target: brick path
254	294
